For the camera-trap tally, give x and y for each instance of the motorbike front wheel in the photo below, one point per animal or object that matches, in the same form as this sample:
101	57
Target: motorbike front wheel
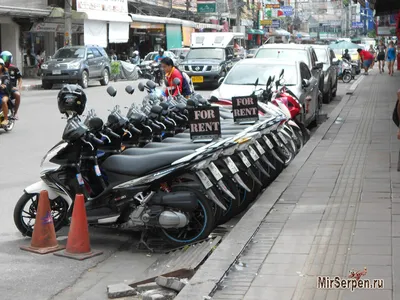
25	213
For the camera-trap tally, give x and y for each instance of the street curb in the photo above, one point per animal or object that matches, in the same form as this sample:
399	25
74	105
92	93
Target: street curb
216	267
354	86
32	87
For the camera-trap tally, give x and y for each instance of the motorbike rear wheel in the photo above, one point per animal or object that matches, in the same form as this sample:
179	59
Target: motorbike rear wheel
201	222
347	77
59	212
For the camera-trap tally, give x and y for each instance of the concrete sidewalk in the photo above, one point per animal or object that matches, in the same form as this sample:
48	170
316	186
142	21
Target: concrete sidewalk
29	84
334	209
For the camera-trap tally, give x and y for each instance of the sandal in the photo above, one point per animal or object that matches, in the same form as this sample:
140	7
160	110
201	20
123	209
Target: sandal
4	123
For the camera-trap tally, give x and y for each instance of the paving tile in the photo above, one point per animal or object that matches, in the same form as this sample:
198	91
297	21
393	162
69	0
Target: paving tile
305	217
384	225
255	293
371	249
370	260
275	281
282	269
286	258
372	232
367	295
291	248
297	239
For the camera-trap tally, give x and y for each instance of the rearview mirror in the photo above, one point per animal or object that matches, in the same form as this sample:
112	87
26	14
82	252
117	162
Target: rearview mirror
151	84
176	81
319	65
111	91
305	83
273	78
220	80
182	56
129	89
90	55
335	62
230	56
281	74
213	99
141	86
269	81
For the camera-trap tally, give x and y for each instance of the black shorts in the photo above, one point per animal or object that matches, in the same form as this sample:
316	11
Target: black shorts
381	57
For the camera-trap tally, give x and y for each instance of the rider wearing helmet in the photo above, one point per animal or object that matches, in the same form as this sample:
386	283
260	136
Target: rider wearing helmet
4	91
346	55
160	55
135	59
15	79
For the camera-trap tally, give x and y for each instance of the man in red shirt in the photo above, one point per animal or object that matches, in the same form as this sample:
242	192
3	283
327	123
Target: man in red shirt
366	59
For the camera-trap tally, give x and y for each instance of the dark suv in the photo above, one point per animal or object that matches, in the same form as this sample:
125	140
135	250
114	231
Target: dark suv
76	64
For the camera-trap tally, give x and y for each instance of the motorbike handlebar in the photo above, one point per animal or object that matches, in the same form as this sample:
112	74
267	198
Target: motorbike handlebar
133	129
111	133
167	122
175	116
91	138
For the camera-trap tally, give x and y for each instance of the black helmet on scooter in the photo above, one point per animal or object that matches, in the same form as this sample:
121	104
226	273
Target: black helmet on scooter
71	99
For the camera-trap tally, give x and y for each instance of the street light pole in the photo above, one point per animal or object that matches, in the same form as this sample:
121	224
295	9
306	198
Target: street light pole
68	23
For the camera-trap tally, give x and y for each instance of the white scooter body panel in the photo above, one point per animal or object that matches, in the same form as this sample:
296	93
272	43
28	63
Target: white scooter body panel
39	186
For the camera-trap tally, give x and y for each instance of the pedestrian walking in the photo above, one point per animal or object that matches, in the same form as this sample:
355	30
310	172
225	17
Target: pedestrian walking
373	52
381	56
391	57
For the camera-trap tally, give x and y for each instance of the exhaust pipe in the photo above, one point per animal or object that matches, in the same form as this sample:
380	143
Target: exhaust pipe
240	182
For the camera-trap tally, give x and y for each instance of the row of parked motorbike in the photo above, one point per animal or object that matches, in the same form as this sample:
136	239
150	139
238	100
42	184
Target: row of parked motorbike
142	171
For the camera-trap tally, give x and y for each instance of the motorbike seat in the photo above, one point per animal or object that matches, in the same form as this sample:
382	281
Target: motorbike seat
140	165
182	146
148	151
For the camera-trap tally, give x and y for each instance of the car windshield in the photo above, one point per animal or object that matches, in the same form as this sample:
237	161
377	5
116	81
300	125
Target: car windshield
70	53
206	53
286	54
321	55
151	56
252	51
247	74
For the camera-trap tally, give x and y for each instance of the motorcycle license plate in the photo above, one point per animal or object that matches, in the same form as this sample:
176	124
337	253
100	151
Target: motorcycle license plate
268	142
56	72
282	137
204	179
197	79
253	153
259	148
275	138
216	173
244	160
231	165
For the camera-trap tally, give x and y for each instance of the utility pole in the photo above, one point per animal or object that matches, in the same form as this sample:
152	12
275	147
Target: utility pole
239	5
68	22
187	9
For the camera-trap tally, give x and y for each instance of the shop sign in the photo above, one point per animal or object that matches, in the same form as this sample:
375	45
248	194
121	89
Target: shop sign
245	109
117	6
271	23
357	25
53	27
386	30
205	123
273	6
206	7
139	25
287	10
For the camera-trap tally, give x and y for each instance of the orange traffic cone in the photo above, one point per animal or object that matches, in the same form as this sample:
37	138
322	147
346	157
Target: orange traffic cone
78	244
44	236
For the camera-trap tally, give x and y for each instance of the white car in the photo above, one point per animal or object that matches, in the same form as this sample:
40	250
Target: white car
241	80
149	58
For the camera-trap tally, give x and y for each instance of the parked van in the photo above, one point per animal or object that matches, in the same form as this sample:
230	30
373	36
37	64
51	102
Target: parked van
211	56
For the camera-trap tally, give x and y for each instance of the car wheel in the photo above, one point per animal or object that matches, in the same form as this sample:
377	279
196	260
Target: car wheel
328	96
47	85
84	82
105	78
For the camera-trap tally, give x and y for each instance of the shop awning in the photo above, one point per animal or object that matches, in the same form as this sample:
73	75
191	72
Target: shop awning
107	16
118	32
387	7
153	19
255	31
24	11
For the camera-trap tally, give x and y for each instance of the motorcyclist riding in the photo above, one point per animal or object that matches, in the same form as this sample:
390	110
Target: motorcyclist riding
15	80
160	56
4	91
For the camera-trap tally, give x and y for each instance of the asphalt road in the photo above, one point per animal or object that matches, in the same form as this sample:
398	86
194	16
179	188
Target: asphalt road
43	277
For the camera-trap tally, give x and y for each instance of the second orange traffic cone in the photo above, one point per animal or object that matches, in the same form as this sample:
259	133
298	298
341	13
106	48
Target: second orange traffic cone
78	243
44	236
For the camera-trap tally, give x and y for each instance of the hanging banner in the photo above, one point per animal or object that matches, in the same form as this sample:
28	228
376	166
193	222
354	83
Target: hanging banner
273	6
117	6
287	10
